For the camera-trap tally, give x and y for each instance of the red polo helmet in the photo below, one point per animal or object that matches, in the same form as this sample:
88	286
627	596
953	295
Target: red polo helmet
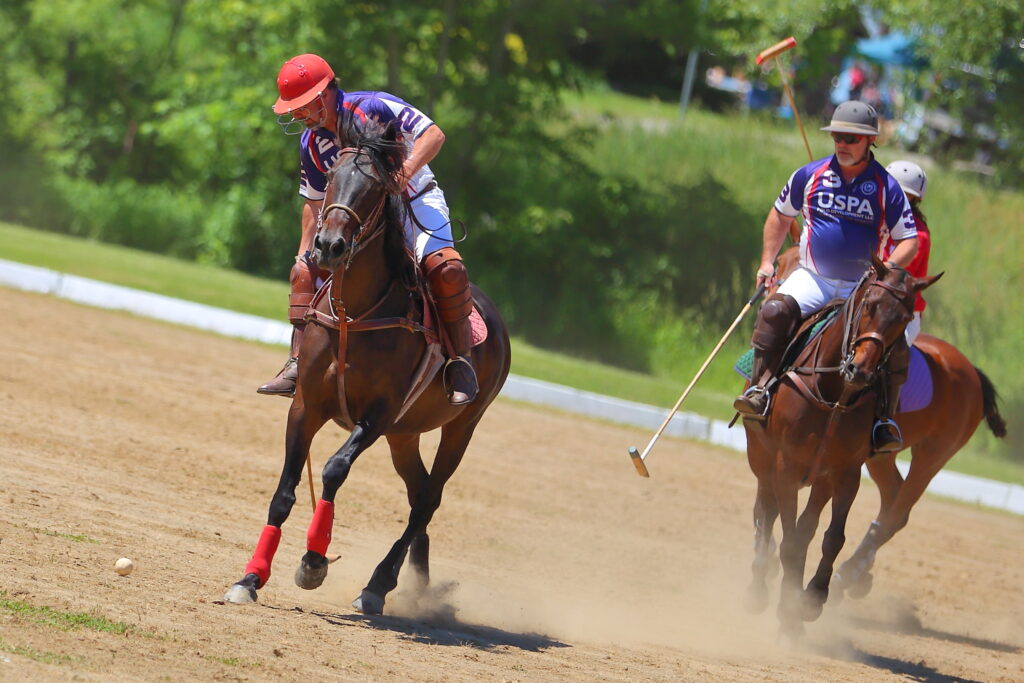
301	80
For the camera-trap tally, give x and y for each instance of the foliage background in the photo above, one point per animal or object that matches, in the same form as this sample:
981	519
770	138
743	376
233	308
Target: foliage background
601	230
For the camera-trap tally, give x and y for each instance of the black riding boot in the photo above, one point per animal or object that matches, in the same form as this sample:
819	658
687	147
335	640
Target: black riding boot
885	434
775	324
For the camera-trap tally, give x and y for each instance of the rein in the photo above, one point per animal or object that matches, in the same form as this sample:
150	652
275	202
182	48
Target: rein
336	317
851	319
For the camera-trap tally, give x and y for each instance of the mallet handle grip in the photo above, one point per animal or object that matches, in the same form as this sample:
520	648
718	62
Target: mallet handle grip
776	50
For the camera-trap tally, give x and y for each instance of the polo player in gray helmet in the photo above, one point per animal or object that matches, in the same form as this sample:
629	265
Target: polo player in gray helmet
850	206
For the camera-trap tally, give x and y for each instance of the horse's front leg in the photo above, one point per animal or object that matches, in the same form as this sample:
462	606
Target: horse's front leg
766	511
454	440
302	426
791	556
313	567
846	485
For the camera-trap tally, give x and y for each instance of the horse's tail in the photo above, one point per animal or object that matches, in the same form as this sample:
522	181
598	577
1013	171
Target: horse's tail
989	397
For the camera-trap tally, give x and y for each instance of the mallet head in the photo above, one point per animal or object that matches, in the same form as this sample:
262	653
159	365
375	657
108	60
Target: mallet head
638	462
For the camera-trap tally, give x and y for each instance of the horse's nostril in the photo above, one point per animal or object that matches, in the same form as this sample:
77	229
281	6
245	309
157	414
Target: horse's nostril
337	248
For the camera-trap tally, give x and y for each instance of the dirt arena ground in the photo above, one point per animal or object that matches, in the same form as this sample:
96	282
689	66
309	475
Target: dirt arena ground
552	560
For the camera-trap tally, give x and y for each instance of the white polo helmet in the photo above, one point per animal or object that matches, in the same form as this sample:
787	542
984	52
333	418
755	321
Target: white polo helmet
910	176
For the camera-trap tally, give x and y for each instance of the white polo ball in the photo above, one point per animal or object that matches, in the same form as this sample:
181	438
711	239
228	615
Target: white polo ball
124	566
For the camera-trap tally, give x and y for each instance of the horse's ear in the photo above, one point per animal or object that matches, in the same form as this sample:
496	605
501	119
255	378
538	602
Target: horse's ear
879	267
390	132
926	282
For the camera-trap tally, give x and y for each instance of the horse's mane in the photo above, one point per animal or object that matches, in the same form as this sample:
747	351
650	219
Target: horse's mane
386	151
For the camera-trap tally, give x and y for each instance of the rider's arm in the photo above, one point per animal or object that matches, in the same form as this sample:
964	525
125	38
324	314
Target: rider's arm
776	227
903	253
426	147
310	209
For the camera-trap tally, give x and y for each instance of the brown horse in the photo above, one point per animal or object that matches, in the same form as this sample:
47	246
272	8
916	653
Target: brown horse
818	433
962	395
371	366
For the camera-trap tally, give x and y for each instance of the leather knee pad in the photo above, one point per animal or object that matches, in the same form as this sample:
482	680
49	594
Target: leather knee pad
449	283
303	281
776	321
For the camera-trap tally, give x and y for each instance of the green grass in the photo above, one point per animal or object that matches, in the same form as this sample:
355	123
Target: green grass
146	271
711	397
78	538
39	655
64	621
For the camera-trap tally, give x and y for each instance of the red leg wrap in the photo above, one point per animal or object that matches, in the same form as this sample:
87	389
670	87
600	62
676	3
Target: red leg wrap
319	535
263	556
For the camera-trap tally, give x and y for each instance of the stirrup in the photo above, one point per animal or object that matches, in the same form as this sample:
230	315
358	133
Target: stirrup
890	447
450	389
752	392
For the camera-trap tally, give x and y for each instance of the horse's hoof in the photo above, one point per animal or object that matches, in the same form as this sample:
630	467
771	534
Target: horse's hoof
811	609
240	594
756	600
312	571
368	603
860	588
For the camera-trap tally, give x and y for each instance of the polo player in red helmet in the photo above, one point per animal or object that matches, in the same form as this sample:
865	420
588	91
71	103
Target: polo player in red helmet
312	103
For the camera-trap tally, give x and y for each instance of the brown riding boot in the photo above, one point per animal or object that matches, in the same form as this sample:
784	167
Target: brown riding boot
886	436
775	324
284	382
449	285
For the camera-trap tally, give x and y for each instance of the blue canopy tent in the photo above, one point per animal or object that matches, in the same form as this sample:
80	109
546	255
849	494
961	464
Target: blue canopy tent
896	49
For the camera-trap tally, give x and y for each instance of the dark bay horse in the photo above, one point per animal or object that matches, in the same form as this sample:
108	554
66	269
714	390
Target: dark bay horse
370	366
962	396
818	434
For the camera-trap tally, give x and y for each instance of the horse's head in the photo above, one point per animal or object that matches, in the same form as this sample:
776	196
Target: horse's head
357	189
883	304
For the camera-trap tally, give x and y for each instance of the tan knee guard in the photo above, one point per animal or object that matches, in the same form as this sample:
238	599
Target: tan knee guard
449	284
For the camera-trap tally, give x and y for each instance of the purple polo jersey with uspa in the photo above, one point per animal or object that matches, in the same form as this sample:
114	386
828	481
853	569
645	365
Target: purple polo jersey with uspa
319	149
845	223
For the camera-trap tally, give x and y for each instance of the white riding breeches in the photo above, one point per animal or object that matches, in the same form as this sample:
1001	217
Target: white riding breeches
913	328
431	211
813	291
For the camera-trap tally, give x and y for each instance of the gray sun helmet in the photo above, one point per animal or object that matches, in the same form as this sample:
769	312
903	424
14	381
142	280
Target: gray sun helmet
910	176
859	118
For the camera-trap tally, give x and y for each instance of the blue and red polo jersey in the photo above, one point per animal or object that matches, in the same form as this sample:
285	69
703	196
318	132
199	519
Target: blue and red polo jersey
319	149
845	223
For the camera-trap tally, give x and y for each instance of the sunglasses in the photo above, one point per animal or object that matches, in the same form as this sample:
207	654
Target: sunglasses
847	138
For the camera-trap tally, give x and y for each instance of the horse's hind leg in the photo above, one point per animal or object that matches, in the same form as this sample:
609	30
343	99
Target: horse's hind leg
303	425
405	455
454	440
853	575
928	459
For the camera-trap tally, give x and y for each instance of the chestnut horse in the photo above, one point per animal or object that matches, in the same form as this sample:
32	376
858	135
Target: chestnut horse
371	366
962	396
818	432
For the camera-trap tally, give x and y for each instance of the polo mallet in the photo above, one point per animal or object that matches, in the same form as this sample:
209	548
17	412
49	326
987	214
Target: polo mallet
638	458
773	53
